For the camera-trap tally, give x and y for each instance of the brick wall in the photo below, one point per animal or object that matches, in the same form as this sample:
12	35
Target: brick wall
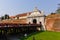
52	22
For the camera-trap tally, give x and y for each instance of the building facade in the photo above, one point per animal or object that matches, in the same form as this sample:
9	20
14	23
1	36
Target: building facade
36	17
50	22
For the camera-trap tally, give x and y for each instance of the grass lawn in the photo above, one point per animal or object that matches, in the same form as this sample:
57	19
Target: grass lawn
44	36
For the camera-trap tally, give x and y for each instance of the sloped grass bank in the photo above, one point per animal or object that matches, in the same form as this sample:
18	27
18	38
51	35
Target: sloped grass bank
43	36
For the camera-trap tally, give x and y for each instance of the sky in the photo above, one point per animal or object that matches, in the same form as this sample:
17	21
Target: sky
14	7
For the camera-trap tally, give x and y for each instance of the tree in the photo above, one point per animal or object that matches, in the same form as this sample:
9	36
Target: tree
6	16
2	18
58	11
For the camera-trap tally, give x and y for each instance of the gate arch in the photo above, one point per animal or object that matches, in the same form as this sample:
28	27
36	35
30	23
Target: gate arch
34	21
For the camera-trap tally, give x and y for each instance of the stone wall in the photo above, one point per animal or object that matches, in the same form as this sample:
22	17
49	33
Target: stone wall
52	22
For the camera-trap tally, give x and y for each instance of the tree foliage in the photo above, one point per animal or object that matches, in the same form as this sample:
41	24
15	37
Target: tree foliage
58	11
6	16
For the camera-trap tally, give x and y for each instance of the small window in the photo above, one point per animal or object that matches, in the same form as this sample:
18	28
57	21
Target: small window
17	17
40	22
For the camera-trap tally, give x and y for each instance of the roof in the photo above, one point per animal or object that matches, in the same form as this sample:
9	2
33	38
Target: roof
36	10
23	14
12	16
13	21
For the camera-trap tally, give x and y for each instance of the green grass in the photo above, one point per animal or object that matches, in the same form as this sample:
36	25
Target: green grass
44	36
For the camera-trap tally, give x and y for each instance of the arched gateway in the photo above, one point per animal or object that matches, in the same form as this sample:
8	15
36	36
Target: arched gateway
34	21
36	17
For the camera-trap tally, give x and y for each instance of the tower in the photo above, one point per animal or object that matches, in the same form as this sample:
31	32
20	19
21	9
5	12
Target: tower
36	17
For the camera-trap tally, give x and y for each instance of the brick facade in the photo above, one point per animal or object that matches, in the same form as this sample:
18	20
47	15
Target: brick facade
52	22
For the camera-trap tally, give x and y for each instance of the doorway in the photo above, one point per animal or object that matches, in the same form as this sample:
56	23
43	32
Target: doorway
34	21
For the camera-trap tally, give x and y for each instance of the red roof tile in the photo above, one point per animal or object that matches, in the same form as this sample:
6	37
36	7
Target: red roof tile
12	16
13	21
23	14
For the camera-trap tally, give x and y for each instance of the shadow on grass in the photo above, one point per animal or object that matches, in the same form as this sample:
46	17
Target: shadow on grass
31	34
